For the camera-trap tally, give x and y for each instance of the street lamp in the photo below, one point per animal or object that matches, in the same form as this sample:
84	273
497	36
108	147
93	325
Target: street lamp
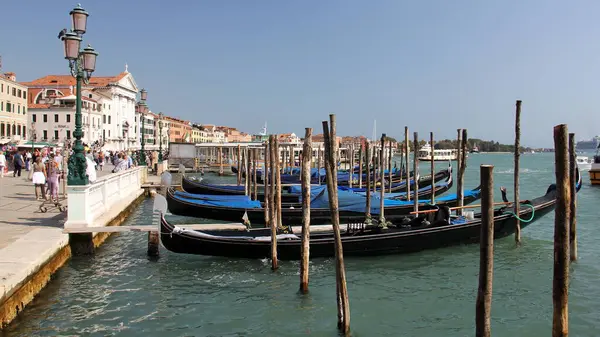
142	110
82	64
160	126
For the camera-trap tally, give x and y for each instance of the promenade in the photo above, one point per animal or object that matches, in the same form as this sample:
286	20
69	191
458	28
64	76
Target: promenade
20	213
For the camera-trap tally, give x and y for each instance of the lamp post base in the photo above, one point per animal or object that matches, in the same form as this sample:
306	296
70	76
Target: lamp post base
77	170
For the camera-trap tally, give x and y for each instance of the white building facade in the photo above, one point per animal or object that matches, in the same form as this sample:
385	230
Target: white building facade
13	110
109	102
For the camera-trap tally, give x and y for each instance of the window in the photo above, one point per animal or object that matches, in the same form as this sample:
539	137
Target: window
2	87
108	133
19	93
8	105
14	91
1	106
68	134
19	109
55	134
24	133
90	95
45	120
55	118
104	119
33	118
45	134
24	110
109	121
25	94
68	118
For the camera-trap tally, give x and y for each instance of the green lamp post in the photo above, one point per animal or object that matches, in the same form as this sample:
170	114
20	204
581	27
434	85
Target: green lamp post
142	106
82	64
160	126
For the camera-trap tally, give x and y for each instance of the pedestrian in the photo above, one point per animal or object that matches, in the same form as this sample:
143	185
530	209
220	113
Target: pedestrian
52	172
18	163
2	163
101	160
39	178
28	161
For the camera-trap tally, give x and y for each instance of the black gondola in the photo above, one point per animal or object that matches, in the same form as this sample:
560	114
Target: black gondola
255	243
292	214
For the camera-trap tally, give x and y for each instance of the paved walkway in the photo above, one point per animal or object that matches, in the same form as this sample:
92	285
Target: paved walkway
20	212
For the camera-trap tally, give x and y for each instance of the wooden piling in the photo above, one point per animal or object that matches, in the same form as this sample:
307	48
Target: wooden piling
153	244
305	181
319	164
247	174
255	183
483	306
459	181
239	165
406	159
266	178
382	189
278	186
350	153
331	160
220	160
573	203
375	165
272	197
463	163
368	190
516	170
432	168
390	166
360	164
416	171
560	291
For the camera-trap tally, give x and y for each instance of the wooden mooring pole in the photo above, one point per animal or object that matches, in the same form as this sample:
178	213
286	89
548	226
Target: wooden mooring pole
330	166
319	164
573	203
239	165
560	282
432	168
305	180
350	152
246	173
459	188
463	166
153	244
266	179
278	185
416	171
483	306
382	188
360	164
255	174
406	160
368	190
390	165
516	170
273	210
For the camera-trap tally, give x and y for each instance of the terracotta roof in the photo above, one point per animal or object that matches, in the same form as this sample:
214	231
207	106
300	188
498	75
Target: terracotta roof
38	106
67	80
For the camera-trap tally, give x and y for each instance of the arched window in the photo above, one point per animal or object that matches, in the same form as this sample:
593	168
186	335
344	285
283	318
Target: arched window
1	129
24	133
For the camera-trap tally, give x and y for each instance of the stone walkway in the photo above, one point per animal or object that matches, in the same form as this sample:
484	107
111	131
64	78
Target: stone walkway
20	212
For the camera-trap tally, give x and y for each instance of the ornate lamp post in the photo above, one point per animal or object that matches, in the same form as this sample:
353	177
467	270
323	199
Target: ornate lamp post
160	126
142	106
82	64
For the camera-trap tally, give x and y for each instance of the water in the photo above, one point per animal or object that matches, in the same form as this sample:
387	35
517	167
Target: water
121	292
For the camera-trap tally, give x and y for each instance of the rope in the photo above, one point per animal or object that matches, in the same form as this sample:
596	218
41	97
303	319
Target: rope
523	220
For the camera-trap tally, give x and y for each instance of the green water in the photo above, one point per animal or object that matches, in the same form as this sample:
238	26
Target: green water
120	292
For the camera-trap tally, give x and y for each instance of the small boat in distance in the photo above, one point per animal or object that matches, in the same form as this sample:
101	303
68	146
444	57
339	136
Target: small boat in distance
595	169
424	154
584	163
475	149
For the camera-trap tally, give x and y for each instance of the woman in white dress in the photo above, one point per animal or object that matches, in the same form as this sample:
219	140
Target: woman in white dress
2	163
39	178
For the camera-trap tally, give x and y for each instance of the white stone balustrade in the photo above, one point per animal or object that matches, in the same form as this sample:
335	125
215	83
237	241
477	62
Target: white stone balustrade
108	195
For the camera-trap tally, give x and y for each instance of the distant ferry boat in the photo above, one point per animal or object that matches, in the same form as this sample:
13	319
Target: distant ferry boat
584	163
424	154
475	149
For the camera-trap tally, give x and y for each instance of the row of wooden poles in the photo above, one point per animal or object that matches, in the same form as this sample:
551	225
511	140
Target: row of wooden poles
565	241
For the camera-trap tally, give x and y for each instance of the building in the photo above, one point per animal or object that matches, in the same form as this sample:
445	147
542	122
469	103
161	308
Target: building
233	135
199	134
13	109
180	131
289	138
54	121
214	134
149	130
115	100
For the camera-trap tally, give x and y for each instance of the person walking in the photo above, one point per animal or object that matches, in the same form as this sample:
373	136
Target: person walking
2	163
39	178
18	163
52	172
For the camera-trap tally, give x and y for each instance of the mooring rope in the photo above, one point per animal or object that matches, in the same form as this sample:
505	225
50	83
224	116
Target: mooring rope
523	220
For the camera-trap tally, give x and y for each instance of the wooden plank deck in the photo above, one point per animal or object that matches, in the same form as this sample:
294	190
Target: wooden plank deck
148	228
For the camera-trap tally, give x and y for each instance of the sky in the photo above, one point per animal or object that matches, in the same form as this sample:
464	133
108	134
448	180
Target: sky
433	65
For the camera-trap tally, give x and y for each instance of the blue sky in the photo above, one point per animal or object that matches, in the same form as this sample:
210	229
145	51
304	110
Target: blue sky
432	65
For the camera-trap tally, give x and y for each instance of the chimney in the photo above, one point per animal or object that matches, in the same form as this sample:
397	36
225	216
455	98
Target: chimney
11	76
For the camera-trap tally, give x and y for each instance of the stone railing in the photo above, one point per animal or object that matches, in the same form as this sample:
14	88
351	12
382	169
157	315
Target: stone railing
87	203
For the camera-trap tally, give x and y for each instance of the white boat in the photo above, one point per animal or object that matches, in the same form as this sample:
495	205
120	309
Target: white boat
584	163
424	154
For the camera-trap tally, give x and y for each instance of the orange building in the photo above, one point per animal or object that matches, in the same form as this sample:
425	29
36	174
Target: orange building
180	131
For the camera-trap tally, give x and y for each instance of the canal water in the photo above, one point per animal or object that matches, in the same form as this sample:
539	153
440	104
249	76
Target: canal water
121	292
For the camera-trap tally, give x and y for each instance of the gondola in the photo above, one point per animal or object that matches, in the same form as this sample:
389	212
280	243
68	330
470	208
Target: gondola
199	187
352	208
439	231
